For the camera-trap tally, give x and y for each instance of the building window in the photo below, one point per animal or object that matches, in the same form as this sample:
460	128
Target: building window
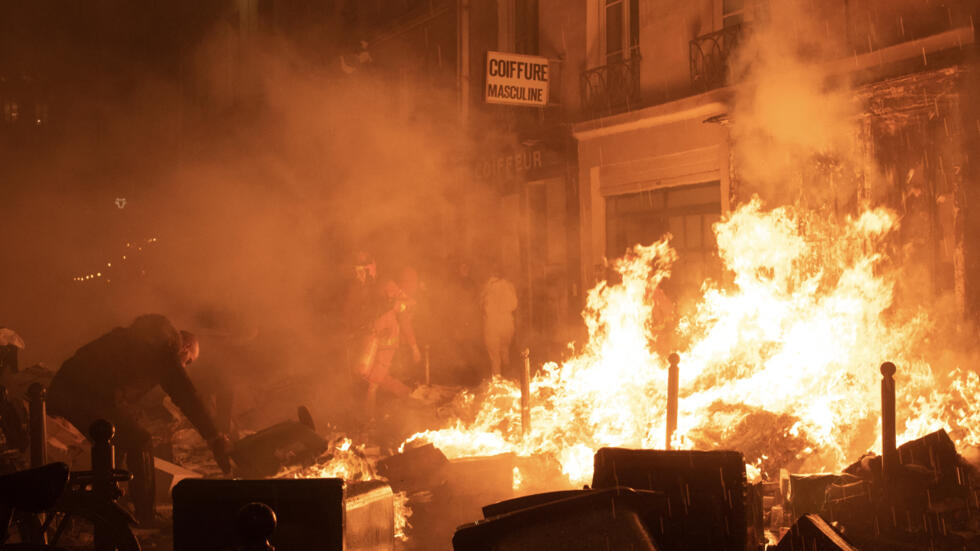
732	12
687	213
622	24
11	111
526	27
737	12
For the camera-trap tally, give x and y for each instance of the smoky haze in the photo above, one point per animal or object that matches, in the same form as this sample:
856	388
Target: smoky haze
804	134
246	196
795	123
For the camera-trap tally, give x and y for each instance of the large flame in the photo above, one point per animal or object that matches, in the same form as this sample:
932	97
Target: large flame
780	363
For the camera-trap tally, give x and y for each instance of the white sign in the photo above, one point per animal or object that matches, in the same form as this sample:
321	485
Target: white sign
514	79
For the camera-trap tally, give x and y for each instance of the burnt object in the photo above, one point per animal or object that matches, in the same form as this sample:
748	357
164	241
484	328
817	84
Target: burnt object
460	489
313	513
37	425
10	344
34	490
524	502
272	449
929	502
12	423
305	417
812	533
583	520
705	490
808	493
414	469
9	358
255	524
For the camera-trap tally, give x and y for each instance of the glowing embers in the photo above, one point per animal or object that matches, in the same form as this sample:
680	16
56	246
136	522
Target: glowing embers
780	363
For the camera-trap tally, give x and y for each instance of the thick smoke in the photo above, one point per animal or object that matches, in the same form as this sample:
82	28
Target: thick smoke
795	123
246	194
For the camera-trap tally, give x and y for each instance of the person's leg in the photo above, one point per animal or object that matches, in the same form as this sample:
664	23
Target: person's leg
371	402
493	350
136	445
381	374
133	445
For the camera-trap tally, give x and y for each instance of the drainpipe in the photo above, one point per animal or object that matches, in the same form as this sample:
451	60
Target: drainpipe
463	57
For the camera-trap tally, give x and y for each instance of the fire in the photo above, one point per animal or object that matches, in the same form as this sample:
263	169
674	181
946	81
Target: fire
345	460
781	362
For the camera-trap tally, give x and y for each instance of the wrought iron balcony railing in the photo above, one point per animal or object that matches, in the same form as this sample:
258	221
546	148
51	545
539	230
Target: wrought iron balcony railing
612	88
709	57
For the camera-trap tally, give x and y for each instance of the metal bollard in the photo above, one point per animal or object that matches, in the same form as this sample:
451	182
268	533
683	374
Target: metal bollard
255	524
38	424
526	394
103	464
889	451
673	373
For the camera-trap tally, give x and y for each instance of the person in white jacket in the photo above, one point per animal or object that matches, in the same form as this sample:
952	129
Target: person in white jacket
499	302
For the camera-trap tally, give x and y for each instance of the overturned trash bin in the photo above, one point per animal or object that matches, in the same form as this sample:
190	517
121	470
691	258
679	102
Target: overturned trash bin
812	533
706	494
320	513
272	449
580	520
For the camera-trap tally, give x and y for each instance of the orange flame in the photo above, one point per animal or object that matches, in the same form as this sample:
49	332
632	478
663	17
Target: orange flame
346	461
781	364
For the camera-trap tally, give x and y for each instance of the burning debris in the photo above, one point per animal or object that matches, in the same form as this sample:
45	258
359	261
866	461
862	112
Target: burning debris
775	364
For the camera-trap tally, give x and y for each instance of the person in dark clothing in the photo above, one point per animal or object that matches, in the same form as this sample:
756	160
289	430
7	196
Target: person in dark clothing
106	378
377	317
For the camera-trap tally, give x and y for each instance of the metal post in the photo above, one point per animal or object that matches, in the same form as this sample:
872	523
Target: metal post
889	452
673	373
428	372
526	394
38	424
255	524
103	463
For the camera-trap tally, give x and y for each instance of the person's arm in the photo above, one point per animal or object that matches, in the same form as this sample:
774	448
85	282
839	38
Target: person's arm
181	390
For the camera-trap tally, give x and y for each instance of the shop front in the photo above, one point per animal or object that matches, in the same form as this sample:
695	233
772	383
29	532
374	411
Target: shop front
653	172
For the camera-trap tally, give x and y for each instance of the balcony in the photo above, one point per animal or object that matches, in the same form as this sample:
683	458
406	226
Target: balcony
709	57
612	88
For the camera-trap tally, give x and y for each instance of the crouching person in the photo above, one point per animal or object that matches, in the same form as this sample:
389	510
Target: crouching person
106	378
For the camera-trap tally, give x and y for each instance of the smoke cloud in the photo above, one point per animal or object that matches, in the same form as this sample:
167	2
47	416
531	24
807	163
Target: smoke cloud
238	201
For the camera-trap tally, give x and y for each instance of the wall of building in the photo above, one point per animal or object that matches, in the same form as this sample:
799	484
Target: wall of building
900	55
665	146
